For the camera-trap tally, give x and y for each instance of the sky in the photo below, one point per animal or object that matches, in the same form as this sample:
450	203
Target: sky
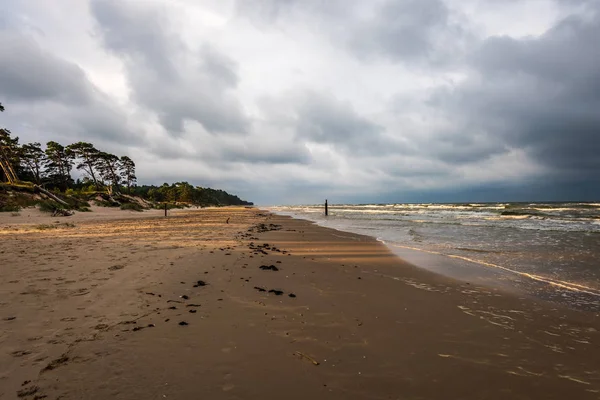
295	101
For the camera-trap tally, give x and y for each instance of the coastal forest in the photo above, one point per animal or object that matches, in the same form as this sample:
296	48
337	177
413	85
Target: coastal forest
108	179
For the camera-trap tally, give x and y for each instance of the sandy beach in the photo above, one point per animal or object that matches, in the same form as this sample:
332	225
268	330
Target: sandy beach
236	303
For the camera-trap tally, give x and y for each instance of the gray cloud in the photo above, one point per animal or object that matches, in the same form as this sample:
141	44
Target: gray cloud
175	82
48	97
28	73
399	30
321	118
409	30
265	154
539	94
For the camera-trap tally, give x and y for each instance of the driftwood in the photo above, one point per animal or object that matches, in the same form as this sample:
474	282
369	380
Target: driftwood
51	195
309	358
62	213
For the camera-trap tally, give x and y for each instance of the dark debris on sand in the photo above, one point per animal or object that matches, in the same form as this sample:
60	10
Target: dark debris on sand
260	228
269	268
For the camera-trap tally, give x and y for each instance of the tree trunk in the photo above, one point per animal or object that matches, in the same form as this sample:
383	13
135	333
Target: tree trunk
51	195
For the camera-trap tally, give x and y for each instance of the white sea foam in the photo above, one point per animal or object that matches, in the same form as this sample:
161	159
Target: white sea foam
555	244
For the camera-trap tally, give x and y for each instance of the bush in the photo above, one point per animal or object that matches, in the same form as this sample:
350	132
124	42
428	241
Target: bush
49	206
106	203
15	201
9	208
75	203
170	206
132	207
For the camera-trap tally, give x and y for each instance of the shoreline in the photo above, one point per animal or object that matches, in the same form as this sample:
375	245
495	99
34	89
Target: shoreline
376	325
462	269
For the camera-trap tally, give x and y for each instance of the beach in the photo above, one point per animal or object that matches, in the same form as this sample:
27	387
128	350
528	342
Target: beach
239	303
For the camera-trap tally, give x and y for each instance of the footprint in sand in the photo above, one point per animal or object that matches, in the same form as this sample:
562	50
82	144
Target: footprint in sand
20	353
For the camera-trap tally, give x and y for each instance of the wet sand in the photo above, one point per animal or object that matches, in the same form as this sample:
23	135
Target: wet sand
154	308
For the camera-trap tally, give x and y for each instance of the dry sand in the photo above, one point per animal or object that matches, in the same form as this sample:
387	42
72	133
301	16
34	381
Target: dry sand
94	310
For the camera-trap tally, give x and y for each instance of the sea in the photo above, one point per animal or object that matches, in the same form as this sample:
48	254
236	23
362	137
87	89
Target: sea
546	250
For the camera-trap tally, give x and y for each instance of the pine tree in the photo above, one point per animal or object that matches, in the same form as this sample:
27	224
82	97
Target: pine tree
58	163
127	172
33	159
88	157
108	167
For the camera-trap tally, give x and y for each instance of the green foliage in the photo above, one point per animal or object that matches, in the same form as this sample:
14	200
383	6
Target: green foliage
75	203
49	206
9	208
127	167
33	158
58	164
15	197
106	203
183	192
108	167
132	207
89	159
51	168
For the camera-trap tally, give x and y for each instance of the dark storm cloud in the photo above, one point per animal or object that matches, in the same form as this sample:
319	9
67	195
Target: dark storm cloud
539	94
322	118
460	147
175	82
265	154
223	152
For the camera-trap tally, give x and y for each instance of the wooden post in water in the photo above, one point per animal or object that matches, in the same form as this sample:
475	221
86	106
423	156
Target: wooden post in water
326	208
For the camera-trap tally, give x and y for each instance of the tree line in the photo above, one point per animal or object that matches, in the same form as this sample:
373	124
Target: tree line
51	165
183	192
